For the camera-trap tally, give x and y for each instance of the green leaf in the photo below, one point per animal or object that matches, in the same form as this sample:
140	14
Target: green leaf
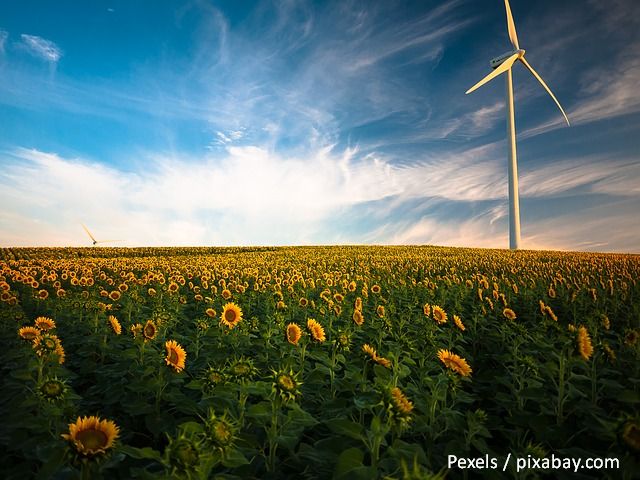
348	460
145	453
234	458
345	427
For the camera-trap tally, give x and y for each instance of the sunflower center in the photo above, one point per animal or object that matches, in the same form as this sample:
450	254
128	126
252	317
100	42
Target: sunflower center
49	344
52	389
230	316
286	382
92	439
222	433
173	356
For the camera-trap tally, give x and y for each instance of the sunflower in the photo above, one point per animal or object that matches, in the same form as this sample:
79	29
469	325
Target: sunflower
286	384
439	315
454	362
369	350
29	333
45	323
458	322
605	322
213	377
358	303
152	292
375	288
231	315
115	325
303	302
92	436
549	312
173	287
584	343
631	434
135	329
316	330
358	318
293	333
385	362
211	313
45	344
220	430
115	295
403	406
226	294
380	310
52	389
175	355
509	314
43	294
242	369
149	330
426	309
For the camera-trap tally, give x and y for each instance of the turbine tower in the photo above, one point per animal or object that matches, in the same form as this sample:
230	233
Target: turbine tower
503	64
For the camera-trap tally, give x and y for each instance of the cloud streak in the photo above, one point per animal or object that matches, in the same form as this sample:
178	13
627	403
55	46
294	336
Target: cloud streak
41	48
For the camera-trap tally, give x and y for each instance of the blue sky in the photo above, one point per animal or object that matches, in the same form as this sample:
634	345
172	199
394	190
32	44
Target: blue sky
297	122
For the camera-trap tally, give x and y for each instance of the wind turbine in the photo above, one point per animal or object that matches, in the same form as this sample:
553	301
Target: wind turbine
95	242
503	64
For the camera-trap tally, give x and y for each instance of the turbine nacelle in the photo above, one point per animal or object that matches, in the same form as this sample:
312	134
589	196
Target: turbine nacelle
496	62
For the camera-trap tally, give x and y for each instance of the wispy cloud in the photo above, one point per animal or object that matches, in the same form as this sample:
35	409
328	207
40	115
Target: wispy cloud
41	48
4	35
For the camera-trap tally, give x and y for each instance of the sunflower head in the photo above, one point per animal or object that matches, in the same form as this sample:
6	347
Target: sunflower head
439	315
316	330
358	318
584	343
380	310
211	313
458	322
45	323
220	431
213	377
631	434
231	315
46	344
135	329
343	341
150	330
115	325
402	406
242	369
29	333
52	389
509	314
91	436
183	454
286	384
175	356
454	362
294	333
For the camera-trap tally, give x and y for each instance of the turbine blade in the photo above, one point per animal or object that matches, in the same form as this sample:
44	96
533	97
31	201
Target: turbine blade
535	74
504	66
511	27
88	232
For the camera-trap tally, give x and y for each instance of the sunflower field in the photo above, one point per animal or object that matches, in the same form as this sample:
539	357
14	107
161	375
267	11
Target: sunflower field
316	362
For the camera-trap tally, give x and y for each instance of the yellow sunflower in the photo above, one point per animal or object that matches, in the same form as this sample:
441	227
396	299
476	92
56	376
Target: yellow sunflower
369	350
454	362
358	303
631	434
175	355
509	314
439	315
380	310
211	313
45	323
458	322
29	333
115	325
584	343
401	402
115	295
149	330
316	330
231	315
91	436
358	318
226	294
293	333
375	288
426	309
43	294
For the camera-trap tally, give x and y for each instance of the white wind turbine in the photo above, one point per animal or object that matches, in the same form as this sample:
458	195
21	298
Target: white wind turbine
502	64
95	242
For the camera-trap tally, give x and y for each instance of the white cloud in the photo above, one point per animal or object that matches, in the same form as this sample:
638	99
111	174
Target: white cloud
3	39
41	47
